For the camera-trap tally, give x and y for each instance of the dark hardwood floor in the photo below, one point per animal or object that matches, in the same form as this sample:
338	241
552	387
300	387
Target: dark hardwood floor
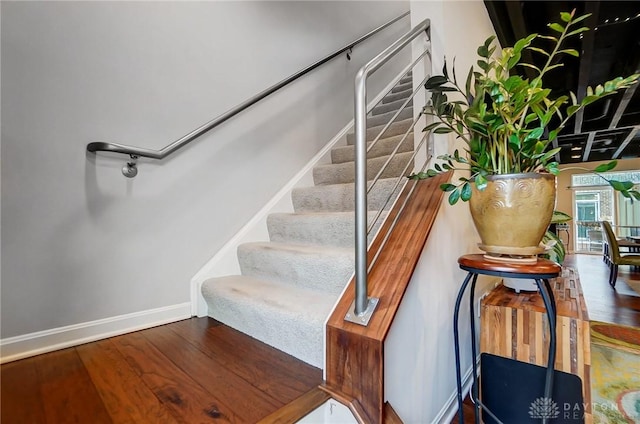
192	371
604	303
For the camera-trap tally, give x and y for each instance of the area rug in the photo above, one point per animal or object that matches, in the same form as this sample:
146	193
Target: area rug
615	373
634	284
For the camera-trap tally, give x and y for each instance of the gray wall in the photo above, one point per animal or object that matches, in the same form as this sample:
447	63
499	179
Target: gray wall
79	241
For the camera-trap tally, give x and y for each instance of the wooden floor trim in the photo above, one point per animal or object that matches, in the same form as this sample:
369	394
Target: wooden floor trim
355	354
299	408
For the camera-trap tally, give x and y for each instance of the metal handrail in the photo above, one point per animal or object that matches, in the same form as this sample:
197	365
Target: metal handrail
362	303
136	152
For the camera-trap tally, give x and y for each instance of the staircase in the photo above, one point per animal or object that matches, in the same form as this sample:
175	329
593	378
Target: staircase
289	285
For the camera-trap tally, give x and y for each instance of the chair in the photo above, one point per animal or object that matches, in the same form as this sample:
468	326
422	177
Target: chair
614	258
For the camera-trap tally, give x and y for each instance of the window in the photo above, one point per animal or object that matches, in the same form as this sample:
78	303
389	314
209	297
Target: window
594	201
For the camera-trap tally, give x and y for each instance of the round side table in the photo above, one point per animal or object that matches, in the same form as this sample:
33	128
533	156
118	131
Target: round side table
476	264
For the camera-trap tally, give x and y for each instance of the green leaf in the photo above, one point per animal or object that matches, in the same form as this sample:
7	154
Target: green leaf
565	16
483	65
444	70
447	187
431	126
530	118
513	61
557	65
454	197
548	37
483	51
551	153
556	27
538	50
571	110
577	31
572	52
514	140
552	167
606	166
621	185
535	134
468	83
574	99
435	81
465	193
528	65
560	217
481	182
599	90
580	18
489	40
443	130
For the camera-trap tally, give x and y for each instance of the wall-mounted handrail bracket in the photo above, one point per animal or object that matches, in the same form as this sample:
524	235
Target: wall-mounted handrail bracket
130	170
364	317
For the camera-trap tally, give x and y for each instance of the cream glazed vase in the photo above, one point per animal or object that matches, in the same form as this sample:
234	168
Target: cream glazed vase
513	212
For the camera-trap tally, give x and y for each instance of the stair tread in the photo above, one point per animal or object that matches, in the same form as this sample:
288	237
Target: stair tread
275	290
288	318
351	163
302	248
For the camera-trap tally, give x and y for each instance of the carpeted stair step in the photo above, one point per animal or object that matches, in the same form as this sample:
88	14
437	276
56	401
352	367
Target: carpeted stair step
387	107
288	318
400	95
395	128
341	173
314	267
383	147
335	229
384	118
340	197
403	86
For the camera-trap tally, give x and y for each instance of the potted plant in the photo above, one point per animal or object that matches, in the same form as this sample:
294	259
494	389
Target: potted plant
507	124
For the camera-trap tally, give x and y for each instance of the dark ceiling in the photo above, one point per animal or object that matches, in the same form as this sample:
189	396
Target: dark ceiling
609	128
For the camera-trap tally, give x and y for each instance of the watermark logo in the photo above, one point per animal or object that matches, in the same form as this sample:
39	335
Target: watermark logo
543	408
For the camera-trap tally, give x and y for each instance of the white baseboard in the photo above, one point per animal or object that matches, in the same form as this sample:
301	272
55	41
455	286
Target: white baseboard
450	408
24	346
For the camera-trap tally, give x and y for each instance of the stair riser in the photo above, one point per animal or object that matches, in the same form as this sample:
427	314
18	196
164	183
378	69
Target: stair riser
341	197
328	272
325	230
401	95
383	119
383	147
402	86
394	129
345	172
387	107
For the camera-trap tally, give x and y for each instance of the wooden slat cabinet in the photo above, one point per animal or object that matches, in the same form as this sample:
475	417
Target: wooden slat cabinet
515	326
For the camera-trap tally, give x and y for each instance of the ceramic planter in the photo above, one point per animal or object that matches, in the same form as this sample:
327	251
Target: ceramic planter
513	212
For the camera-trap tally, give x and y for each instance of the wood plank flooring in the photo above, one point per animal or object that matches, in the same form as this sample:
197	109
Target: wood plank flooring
192	371
198	370
619	306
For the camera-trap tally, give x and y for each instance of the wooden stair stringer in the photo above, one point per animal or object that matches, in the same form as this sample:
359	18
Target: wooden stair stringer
355	354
